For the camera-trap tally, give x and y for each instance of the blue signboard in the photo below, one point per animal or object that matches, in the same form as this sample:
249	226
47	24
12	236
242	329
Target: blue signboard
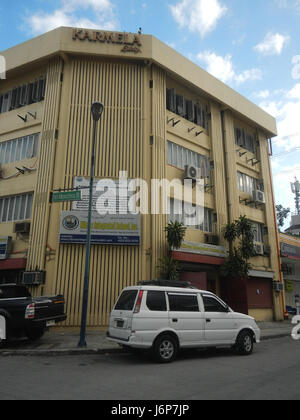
5	246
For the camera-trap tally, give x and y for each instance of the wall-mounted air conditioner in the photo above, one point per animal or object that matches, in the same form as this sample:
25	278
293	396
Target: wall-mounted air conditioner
22	227
191	172
34	277
259	197
258	248
277	286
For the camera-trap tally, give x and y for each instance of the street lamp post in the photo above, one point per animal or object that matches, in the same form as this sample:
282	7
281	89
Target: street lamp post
97	109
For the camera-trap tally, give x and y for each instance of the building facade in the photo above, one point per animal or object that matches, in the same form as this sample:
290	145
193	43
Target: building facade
163	116
290	260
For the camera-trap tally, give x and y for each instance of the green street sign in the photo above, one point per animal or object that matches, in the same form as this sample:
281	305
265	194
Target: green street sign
59	197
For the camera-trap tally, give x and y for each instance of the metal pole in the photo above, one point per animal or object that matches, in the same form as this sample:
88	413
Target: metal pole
82	342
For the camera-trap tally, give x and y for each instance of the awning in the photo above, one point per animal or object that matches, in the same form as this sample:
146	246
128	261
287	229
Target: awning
197	258
13	264
262	274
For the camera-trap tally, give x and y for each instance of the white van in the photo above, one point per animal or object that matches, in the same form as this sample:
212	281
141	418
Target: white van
166	319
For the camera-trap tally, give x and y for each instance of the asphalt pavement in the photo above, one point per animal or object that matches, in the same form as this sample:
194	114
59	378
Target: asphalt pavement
59	341
123	379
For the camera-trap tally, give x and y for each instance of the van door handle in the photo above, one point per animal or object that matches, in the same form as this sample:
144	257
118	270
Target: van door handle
174	320
208	320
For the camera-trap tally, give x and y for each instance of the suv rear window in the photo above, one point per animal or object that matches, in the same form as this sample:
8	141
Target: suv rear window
10	292
156	301
183	303
126	300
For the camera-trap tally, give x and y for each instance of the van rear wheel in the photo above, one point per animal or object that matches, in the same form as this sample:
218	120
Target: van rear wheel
165	349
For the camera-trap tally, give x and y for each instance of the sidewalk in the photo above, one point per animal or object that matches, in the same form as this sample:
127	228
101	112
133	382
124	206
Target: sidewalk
55	343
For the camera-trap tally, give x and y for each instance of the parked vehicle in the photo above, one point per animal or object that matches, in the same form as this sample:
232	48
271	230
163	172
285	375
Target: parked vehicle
167	319
29	315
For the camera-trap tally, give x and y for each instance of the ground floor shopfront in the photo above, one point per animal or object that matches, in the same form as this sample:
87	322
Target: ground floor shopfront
11	270
252	295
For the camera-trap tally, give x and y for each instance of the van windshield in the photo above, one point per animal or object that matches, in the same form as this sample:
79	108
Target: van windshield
126	300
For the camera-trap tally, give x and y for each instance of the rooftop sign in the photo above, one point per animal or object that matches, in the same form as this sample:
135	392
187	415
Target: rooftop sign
130	41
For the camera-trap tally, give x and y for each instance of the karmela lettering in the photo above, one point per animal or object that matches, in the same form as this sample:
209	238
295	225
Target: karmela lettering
122	38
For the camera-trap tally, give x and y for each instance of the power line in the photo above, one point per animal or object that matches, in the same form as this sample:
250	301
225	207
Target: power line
296	168
286	153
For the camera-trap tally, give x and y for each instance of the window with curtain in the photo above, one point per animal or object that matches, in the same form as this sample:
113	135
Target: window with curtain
19	149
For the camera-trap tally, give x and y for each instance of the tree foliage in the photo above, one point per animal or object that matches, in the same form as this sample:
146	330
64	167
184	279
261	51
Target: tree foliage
240	236
168	267
175	234
282	214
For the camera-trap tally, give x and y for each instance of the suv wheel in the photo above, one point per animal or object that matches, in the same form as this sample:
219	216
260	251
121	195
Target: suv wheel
35	333
244	343
165	348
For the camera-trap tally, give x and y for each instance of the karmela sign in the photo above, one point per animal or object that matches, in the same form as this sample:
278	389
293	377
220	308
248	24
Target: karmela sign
122	38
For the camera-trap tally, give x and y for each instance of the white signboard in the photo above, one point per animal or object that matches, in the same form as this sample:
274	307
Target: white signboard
109	229
203	249
2	328
118	200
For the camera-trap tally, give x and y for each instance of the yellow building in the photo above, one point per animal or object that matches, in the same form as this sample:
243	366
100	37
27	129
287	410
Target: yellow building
161	113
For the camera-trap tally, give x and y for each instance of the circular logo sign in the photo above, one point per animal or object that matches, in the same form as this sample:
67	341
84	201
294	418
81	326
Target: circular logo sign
70	222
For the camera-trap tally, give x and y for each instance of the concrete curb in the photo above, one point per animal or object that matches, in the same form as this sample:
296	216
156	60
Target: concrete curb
91	351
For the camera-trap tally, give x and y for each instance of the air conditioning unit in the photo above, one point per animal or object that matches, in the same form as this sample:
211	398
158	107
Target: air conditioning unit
22	227
277	286
34	277
259	197
259	249
191	172
212	239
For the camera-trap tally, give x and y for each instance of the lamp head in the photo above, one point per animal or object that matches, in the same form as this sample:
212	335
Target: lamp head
97	109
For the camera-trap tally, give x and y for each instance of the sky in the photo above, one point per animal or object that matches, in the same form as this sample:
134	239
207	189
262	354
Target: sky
252	46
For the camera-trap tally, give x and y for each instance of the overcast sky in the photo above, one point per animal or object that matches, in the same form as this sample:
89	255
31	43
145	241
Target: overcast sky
253	46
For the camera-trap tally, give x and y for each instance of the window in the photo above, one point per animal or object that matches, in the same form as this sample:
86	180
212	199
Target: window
258	232
213	305
19	149
188	109
16	208
10	292
180	156
156	301
190	215
23	95
246	183
126	300
183	303
244	139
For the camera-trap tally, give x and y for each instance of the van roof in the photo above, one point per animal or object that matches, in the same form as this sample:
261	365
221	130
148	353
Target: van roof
167	288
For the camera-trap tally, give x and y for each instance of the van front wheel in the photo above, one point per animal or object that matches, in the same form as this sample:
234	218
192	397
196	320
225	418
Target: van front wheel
244	343
165	349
